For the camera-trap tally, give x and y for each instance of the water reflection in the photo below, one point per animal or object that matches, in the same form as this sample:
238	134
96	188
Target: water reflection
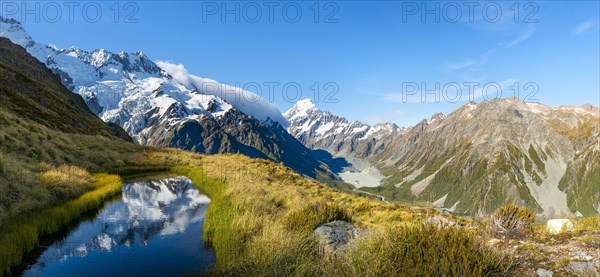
155	229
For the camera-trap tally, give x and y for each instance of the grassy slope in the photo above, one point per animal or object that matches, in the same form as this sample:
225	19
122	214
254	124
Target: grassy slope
262	215
27	149
32	91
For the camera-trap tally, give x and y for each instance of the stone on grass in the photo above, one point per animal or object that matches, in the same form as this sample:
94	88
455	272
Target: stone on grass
334	237
556	226
543	273
582	269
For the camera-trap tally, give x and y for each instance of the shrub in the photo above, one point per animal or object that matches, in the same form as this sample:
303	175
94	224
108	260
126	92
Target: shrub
511	217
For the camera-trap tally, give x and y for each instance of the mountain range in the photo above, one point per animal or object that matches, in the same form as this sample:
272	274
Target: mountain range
478	157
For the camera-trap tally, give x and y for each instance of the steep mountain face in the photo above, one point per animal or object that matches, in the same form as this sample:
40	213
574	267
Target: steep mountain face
483	155
319	129
30	90
160	104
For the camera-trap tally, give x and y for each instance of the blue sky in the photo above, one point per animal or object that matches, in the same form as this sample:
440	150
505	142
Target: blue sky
378	56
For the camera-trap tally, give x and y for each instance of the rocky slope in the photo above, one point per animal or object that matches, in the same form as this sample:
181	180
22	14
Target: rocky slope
481	156
161	104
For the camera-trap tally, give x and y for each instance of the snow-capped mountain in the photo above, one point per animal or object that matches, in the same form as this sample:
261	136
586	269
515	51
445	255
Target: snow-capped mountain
320	129
161	104
477	158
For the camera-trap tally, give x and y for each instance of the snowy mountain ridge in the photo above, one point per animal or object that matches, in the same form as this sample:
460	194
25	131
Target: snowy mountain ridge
323	130
162	104
121	87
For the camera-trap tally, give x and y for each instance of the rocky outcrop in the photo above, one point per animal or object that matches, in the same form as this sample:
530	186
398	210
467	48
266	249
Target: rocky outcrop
334	237
543	272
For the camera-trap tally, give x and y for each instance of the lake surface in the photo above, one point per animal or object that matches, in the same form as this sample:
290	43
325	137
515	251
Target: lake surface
155	229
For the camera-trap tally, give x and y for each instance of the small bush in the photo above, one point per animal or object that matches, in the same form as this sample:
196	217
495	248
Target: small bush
512	217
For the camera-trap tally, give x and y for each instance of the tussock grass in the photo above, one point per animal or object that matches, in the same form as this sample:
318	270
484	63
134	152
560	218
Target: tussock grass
21	235
421	250
66	181
591	223
29	149
313	214
512	217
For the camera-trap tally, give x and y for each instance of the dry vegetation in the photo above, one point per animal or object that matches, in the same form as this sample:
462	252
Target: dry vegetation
511	217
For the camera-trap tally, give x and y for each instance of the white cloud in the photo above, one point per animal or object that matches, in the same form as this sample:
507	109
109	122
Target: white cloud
469	64
579	29
242	100
522	37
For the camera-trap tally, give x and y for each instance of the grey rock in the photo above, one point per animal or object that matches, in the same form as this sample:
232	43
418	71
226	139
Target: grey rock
543	273
581	255
582	269
334	237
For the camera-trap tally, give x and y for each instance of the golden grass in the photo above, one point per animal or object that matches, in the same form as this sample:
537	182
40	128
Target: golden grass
66	180
20	235
421	250
262	216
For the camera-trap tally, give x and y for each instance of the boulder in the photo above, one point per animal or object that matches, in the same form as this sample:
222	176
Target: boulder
543	273
582	269
555	226
334	237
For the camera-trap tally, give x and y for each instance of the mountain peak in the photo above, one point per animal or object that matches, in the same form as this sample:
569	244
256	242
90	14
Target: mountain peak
303	108
13	30
11	21
305	104
435	117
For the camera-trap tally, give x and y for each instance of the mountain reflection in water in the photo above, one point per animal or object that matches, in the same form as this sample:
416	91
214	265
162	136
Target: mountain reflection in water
155	229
